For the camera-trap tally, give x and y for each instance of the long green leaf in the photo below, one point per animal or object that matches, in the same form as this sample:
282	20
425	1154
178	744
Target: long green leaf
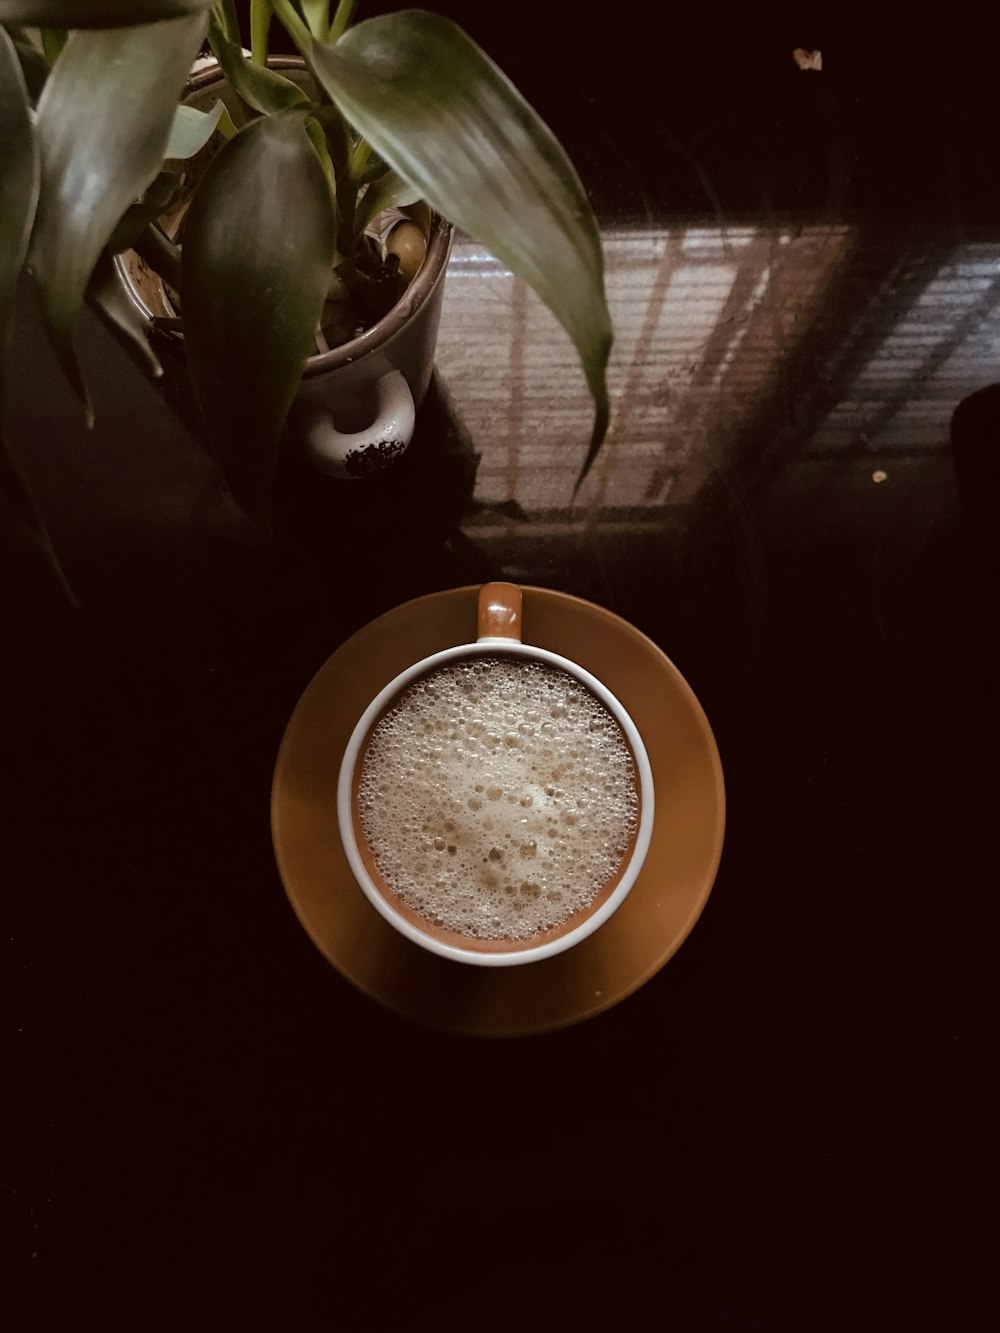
104	121
53	41
317	15
259	239
18	196
441	113
388	191
34	66
19	179
96	13
261	88
191	130
260	30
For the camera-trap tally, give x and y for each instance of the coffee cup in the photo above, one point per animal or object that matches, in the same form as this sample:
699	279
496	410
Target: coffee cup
495	800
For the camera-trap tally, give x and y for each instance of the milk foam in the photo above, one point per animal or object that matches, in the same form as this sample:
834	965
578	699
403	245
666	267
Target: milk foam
498	796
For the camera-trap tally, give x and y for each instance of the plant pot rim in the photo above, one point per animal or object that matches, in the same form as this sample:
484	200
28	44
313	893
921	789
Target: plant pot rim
420	287
439	243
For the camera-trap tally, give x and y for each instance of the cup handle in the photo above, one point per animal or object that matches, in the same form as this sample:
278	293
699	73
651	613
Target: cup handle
499	612
365	451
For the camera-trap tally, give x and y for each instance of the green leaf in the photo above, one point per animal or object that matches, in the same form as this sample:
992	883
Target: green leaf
318	140
317	14
53	41
338	135
439	111
260	30
104	120
260	88
191	130
224	13
34	66
19	179
388	191
342	18
254	278
18	195
96	13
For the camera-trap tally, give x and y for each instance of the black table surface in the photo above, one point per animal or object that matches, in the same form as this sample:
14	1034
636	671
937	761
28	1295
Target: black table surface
792	1125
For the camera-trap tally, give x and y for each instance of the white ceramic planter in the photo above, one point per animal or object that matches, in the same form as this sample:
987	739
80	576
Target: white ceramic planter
355	409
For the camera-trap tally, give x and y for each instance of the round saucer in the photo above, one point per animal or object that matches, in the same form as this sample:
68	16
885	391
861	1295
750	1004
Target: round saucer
647	929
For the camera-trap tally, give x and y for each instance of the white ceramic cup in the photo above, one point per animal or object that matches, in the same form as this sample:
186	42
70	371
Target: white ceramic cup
499	634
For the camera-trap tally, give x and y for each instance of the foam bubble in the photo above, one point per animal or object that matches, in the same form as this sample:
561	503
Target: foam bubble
498	796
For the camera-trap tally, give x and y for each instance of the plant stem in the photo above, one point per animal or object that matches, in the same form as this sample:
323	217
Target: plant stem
317	15
226	127
347	202
294	26
318	140
161	254
298	30
345	11
228	20
260	27
358	159
53	41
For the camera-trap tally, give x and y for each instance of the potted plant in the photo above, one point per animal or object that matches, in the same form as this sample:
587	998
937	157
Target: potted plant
355	407
402	110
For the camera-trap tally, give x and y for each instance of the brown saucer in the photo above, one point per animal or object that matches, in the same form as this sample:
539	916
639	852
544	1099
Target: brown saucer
534	997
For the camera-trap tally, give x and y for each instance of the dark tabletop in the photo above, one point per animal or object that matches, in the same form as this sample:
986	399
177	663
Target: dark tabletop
791	1127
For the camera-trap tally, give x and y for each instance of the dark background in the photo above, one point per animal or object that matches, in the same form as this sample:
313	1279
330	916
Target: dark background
791	1128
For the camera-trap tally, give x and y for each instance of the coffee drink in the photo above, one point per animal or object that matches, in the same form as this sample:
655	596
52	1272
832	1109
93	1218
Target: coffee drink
497	797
